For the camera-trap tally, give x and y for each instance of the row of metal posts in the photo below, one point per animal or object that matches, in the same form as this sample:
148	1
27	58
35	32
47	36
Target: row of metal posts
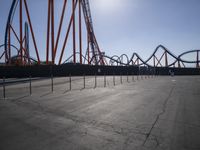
70	82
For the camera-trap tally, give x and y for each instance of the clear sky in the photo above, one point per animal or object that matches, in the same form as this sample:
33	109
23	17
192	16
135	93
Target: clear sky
127	26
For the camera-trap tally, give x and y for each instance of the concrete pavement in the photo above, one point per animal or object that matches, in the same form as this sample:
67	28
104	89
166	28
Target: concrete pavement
160	113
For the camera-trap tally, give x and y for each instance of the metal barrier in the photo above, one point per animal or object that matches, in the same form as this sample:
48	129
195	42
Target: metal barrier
105	82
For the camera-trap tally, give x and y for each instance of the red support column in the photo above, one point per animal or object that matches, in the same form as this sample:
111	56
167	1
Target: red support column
15	34
88	49
59	29
197	59
100	54
9	48
24	49
20	30
48	28
74	32
80	32
52	30
32	33
67	34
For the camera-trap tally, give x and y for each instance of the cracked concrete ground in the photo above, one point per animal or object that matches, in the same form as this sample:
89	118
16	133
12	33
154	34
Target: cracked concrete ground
160	113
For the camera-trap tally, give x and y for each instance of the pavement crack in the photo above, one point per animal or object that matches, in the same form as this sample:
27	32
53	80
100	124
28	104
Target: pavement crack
158	116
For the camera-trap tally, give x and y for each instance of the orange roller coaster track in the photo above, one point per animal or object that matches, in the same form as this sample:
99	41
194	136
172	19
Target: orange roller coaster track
53	41
56	49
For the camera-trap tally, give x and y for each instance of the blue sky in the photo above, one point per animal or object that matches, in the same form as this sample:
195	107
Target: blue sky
127	26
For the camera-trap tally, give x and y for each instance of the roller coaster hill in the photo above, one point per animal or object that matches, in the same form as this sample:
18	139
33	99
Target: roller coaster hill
78	53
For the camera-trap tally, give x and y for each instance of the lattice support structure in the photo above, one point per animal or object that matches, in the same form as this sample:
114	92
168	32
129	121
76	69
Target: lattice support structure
75	17
53	40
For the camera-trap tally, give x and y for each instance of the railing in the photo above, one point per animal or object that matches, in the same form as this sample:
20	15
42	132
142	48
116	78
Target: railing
19	88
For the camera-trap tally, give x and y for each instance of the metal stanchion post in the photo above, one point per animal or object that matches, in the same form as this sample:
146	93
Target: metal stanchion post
133	77
84	81
138	73
95	77
104	80
52	83
114	79
30	85
4	88
70	82
127	77
121	78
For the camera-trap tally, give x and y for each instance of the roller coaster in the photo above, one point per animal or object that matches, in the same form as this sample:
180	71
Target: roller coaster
20	47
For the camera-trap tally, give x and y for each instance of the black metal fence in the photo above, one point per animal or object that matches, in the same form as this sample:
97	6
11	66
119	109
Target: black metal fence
79	70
